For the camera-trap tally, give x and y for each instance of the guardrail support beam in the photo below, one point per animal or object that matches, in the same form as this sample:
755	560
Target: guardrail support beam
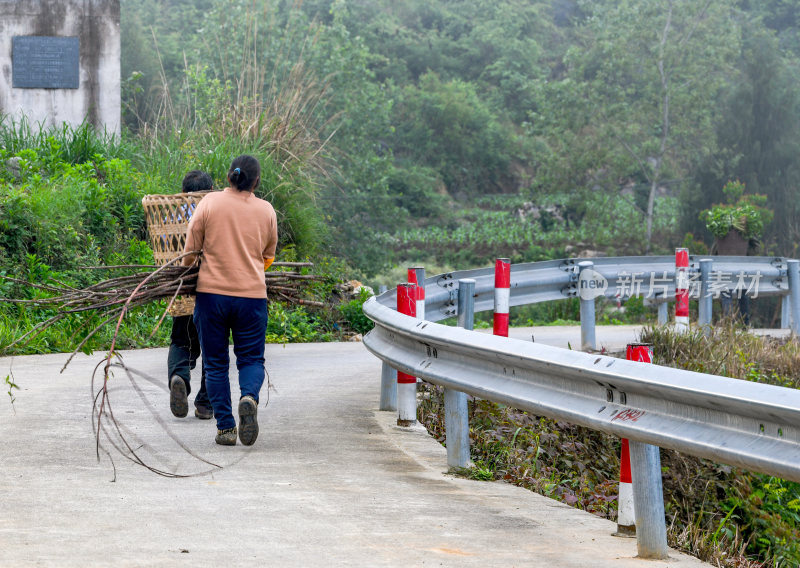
705	302
388	388
793	270
388	378
786	312
588	340
663	313
648	501
456	414
626	511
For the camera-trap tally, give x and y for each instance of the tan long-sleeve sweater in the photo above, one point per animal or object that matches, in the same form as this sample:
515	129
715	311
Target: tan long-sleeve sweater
236	231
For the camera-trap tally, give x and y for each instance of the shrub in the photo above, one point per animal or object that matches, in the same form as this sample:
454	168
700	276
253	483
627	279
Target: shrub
354	314
742	213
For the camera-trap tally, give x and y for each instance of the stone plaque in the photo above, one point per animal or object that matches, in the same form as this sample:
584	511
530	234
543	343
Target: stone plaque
41	62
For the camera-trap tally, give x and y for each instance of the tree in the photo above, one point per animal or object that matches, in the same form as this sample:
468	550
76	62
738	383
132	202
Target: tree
446	126
759	138
646	75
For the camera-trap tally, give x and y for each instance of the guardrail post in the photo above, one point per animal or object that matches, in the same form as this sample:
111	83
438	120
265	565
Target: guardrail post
793	270
416	275
681	290
502	296
648	501
626	514
388	378
786	312
588	341
705	302
648	492
663	313
388	387
406	384
456	415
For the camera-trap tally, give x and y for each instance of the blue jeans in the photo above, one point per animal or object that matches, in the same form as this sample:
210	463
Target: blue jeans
217	317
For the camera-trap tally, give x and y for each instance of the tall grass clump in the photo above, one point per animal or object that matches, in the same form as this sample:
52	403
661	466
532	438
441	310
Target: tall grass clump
262	101
64	143
729	350
67	198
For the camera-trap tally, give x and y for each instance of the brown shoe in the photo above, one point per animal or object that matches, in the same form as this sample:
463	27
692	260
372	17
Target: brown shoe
226	437
203	412
248	420
178	402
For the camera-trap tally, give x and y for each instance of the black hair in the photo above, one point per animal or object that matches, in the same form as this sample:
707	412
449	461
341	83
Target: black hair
196	180
245	173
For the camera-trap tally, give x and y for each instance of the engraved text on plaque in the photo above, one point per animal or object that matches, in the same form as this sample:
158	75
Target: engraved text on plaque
42	62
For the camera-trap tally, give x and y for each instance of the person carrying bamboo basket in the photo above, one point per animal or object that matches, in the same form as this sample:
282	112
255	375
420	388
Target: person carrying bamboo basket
184	348
238	235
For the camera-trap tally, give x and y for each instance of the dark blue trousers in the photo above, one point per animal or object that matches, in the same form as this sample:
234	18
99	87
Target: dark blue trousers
217	318
184	349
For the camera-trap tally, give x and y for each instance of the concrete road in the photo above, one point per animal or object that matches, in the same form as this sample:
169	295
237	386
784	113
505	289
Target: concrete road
609	337
330	481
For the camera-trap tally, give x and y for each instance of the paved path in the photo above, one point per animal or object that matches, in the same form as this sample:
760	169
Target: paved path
330	481
610	337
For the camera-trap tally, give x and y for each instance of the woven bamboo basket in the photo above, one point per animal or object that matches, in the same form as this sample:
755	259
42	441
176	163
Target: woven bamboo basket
167	218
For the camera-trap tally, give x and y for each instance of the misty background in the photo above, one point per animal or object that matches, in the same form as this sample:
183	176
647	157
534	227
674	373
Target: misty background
459	131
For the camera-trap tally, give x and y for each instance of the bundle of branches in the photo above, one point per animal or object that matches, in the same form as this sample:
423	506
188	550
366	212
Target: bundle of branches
288	286
113	297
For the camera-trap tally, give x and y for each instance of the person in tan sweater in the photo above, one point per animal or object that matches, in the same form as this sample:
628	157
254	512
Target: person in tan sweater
237	233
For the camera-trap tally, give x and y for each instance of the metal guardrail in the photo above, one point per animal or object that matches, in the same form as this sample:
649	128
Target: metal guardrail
751	425
754	426
558	279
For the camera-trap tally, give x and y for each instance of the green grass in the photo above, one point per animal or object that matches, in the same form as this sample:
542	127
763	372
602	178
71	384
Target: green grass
71	198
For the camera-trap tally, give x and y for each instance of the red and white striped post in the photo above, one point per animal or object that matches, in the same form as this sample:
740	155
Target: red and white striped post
416	275
502	295
681	290
626	515
406	384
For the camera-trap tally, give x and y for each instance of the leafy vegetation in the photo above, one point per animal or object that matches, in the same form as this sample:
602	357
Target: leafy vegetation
71	199
353	314
439	118
744	214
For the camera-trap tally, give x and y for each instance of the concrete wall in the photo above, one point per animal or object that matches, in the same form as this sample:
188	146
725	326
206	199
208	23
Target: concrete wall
96	24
